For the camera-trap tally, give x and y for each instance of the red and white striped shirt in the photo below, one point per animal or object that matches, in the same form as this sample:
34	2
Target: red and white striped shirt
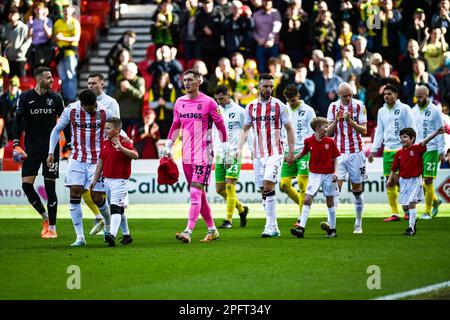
87	131
267	119
347	139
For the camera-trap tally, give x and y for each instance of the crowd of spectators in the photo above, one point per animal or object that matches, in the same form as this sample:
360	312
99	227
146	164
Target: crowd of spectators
315	45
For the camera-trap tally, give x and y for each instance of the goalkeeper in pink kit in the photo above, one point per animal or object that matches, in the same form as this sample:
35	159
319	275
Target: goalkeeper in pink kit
194	115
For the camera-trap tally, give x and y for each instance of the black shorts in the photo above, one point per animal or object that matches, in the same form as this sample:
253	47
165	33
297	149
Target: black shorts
34	161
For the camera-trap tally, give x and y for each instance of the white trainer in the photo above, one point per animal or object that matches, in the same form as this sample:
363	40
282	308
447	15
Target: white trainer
357	230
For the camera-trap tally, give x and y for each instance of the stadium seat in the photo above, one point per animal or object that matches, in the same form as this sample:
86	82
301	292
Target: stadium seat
27	83
102	9
92	25
150	53
142	67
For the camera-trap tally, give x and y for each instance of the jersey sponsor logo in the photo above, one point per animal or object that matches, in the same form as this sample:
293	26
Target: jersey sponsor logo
49	101
88	125
264	118
190	115
41	111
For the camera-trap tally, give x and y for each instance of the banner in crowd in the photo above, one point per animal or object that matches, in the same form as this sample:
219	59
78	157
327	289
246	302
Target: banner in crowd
143	188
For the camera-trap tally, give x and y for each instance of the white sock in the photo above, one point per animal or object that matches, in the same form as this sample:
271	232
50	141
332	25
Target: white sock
213	228
77	220
359	207
188	231
305	214
412	217
124	225
44	215
116	219
106	214
336	201
53	228
99	217
332	217
271	213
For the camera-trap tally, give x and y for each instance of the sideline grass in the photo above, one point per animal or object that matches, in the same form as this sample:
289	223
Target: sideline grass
239	266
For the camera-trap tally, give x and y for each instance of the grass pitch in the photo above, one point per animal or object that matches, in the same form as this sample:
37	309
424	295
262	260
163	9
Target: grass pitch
241	265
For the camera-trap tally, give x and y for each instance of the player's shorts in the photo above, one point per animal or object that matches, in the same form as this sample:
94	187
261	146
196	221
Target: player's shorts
117	191
33	162
316	180
354	164
267	168
411	190
81	174
430	163
388	160
298	168
198	173
232	172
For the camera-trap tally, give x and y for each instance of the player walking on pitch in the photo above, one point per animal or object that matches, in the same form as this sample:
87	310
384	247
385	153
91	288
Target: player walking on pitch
428	119
391	118
194	114
348	121
227	174
87	119
267	115
301	116
37	112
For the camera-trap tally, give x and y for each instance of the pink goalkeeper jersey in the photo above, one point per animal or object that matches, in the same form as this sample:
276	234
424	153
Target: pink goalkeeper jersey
195	118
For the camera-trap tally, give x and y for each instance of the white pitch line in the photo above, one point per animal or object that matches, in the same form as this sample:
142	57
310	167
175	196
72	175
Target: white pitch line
415	292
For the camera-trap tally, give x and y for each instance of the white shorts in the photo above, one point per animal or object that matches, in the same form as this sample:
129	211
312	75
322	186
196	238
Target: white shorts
81	174
317	180
354	164
411	190
267	168
117	192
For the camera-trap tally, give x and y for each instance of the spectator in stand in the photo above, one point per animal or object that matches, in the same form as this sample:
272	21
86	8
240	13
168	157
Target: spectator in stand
3	141
237	63
418	78
8	105
315	66
345	35
325	33
446	163
238	27
294	32
166	62
129	93
161	98
433	48
126	41
115	71
376	86
287	76
247	86
16	43
326	88
358	91
361	52
406	63
201	68
224	7
224	75
370	72
4	68
348	65
274	68
387	37
444	83
442	19
67	34
266	33
416	30
187	25
40	29
208	31
305	87
164	29
147	137
349	14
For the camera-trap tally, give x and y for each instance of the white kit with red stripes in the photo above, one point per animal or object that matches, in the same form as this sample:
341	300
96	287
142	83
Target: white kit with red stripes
267	118
348	140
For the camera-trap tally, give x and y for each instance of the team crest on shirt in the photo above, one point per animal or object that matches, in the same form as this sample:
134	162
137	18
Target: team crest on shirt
411	153
199	107
327	146
397	112
232	115
49	102
427	113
